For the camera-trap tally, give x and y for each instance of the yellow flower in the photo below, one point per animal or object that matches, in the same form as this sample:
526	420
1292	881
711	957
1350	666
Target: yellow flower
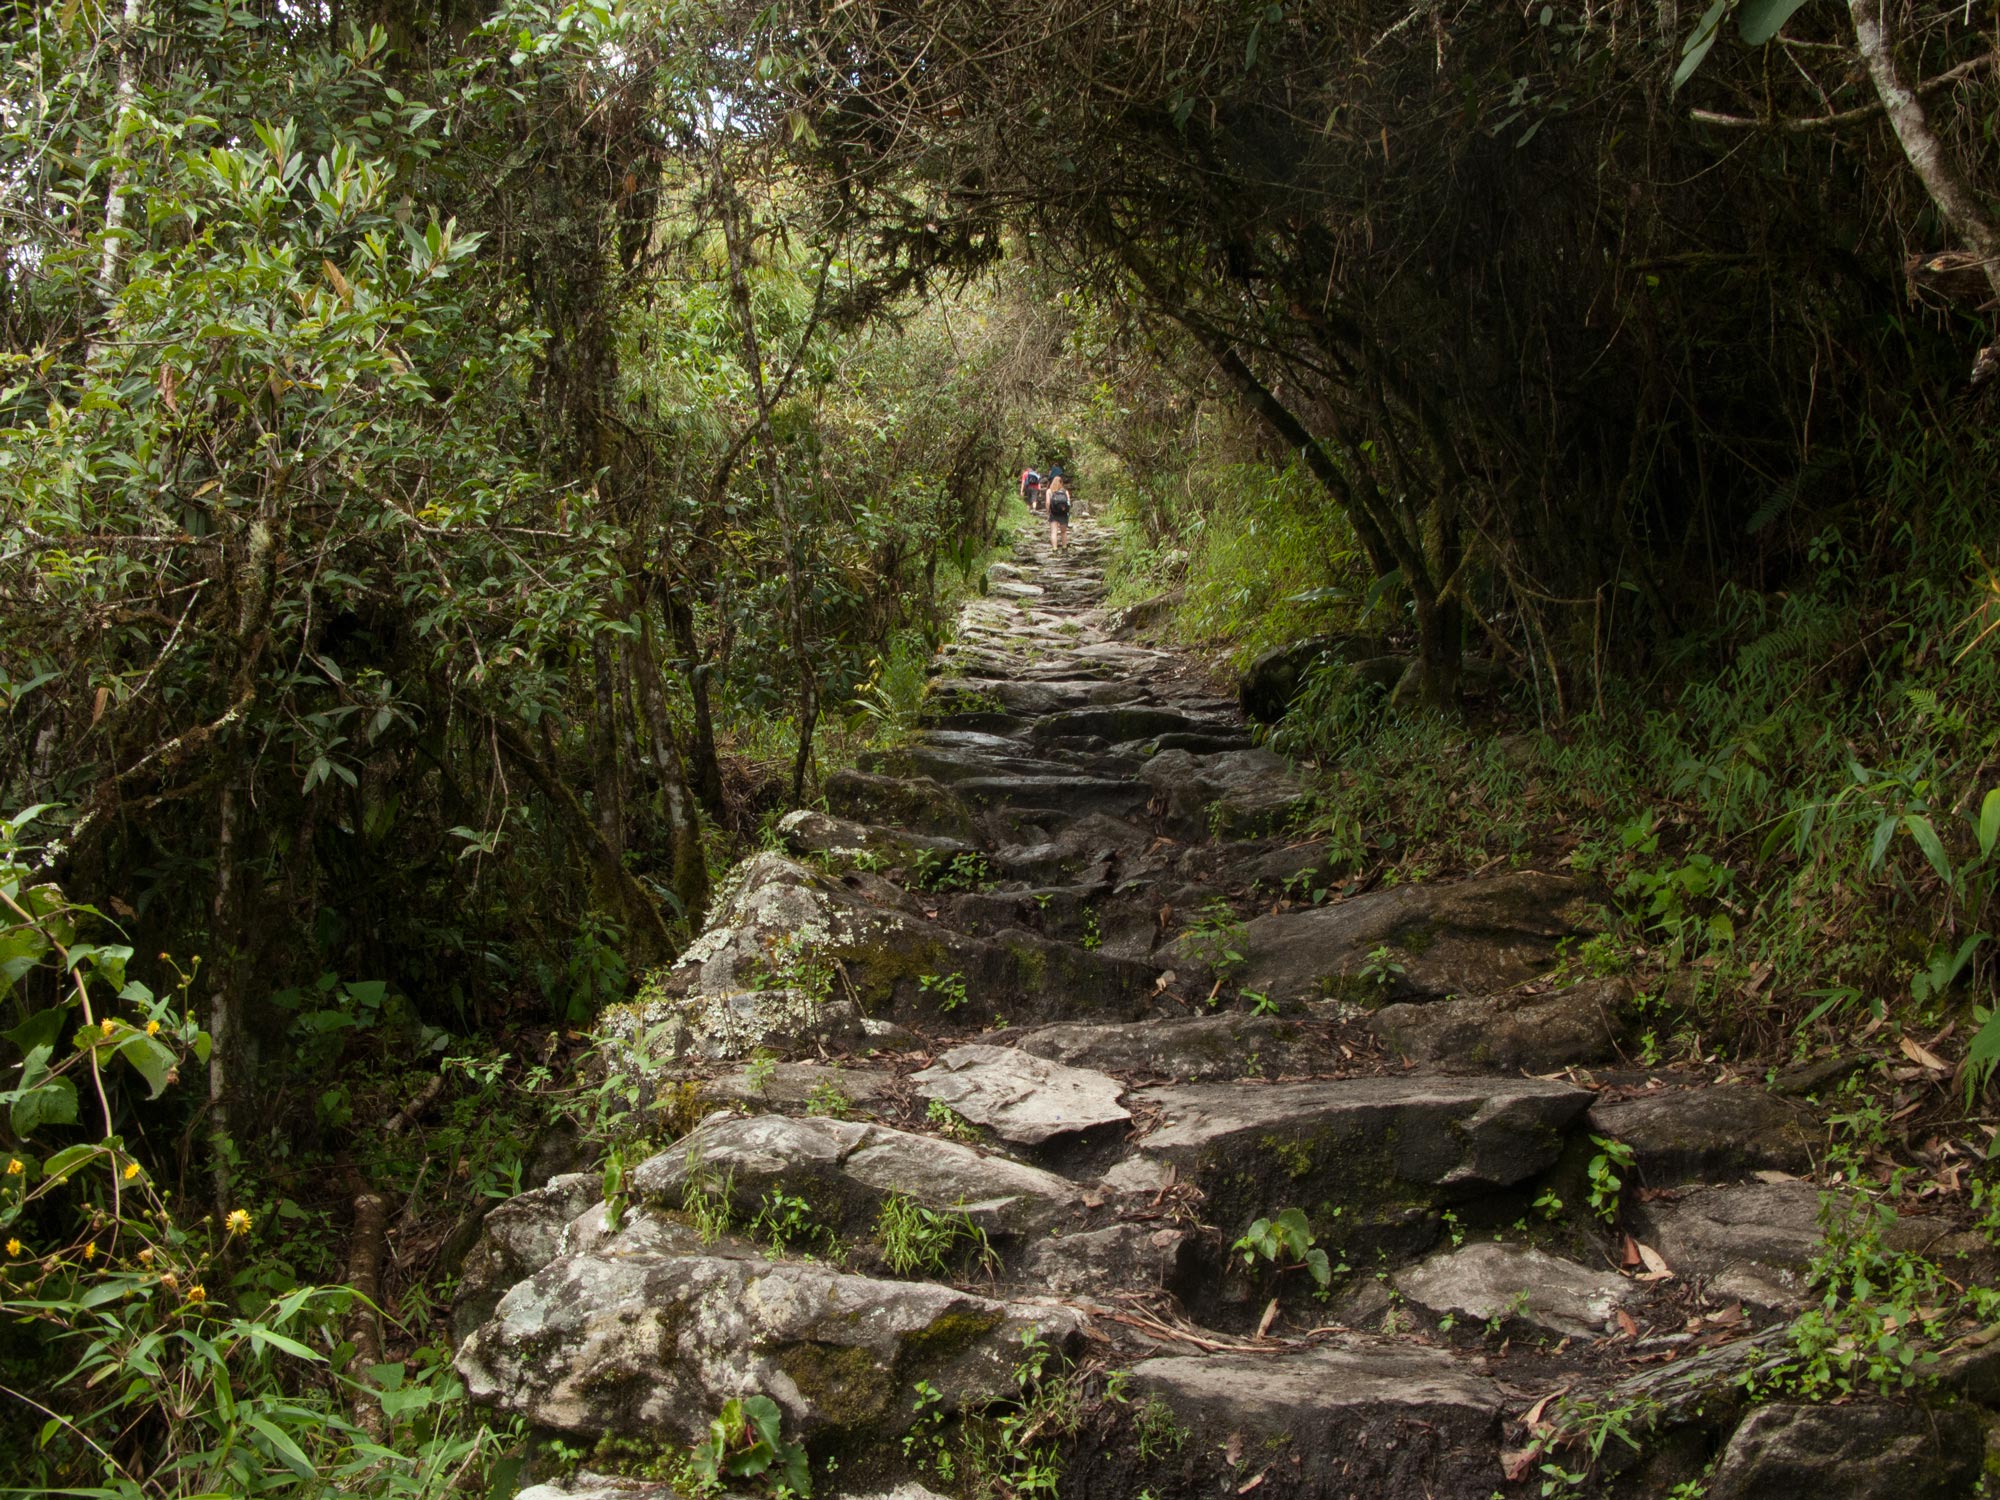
131	1170
90	1249
196	1293
152	1028
107	1026
238	1221
13	1247
14	1167
146	1256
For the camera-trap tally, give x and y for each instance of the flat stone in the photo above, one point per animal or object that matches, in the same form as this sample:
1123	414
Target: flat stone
846	1168
1866	1451
1382	1152
1363	1418
1100	1262
589	1486
651	1346
1484	1281
915	803
1208	1047
800	1086
1233	794
1709	1133
1021	1097
1511	1033
1472	937
1116	723
1752	1241
841	841
1113	796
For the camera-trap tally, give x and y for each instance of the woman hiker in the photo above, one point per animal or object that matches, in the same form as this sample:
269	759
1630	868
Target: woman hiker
1058	503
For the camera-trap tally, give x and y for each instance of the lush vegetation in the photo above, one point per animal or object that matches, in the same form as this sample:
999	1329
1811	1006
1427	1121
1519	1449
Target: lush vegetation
465	467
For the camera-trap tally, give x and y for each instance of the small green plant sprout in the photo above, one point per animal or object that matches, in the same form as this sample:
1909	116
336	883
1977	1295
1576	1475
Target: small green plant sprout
1548	1205
828	1101
1260	1003
1381	967
762	1067
705	1201
914	1238
947	989
1159	1431
784	1221
1092	939
1217	938
1287	1243
746	1441
949	1123
1613	1159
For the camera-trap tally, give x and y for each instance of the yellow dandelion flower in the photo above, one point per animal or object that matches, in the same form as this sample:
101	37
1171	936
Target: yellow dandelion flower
90	1249
152	1028
131	1170
13	1247
238	1221
15	1167
107	1026
197	1293
146	1256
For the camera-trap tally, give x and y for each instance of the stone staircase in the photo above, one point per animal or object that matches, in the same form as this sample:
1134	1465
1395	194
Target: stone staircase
965	1098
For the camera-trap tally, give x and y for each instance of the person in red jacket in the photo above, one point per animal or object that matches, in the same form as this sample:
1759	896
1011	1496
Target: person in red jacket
1031	489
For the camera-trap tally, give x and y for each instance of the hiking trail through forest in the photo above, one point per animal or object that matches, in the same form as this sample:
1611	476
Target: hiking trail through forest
1044	1068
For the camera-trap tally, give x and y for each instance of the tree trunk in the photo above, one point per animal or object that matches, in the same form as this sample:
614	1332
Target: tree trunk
689	861
1956	201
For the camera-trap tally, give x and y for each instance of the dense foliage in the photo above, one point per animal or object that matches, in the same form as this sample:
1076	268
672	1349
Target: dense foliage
465	466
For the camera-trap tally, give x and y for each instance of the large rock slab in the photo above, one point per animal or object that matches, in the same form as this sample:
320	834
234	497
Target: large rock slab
1518	1283
1709	1133
845	1169
1860	1452
1473	937
1208	1047
1381	1153
1751	1242
1120	1258
1361	1418
518	1238
1513	1033
1234	794
1117	723
915	803
841	842
1021	1097
793	958
651	1346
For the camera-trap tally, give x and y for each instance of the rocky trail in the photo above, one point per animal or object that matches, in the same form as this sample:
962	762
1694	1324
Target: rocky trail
978	1090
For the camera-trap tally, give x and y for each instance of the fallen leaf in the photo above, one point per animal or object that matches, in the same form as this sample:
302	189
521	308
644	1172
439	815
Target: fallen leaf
1922	1056
1632	1255
1270	1316
97	708
1516	1462
1534	1417
1626	1326
1164	980
1769	1174
1656	1265
1232	1448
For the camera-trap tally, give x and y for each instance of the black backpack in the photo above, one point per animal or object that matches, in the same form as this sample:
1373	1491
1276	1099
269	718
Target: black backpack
1059	505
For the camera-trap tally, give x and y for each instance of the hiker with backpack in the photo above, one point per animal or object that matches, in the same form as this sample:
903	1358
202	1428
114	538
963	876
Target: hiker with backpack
1031	490
1058	506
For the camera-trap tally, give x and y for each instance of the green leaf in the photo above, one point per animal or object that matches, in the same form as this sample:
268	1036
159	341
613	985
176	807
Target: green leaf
1989	821
1928	841
1760	20
287	1452
42	1029
152	1061
67	1162
265	1338
54	1103
1699	42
